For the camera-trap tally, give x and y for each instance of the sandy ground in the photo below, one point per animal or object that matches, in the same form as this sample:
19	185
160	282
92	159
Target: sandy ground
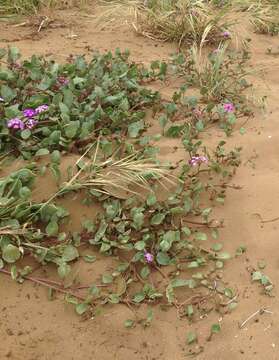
33	328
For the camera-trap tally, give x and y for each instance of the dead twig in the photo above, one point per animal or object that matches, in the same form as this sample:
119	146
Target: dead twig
230	301
258	312
266	221
232	186
42	23
212	224
88	286
271	220
21	24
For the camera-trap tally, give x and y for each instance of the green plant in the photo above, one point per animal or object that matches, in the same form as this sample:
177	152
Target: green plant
218	87
19	6
132	225
148	218
80	101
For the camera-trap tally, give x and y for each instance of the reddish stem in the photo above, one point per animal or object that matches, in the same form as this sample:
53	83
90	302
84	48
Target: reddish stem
42	282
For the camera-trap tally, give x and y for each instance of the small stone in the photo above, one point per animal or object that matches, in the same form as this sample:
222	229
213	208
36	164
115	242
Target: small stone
9	332
8	354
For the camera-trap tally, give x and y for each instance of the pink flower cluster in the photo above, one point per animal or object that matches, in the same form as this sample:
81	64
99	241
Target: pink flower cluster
197	112
29	113
28	122
226	34
198	160
148	257
16	124
41	108
62	80
228	107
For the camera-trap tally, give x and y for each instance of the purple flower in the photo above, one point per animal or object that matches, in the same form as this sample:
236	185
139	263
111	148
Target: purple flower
62	80
198	160
41	109
148	257
197	112
226	34
228	107
17	65
31	123
194	13
29	113
15	124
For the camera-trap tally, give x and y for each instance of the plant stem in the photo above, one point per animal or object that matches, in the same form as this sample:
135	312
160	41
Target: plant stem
47	284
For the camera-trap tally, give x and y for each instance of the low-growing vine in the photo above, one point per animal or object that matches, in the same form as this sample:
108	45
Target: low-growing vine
156	219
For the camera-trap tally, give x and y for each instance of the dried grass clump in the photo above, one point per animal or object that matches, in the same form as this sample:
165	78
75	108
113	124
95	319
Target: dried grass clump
265	18
263	14
114	176
28	7
110	175
183	21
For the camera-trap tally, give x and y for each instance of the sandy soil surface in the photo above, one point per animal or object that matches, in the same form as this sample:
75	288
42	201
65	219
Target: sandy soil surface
34	328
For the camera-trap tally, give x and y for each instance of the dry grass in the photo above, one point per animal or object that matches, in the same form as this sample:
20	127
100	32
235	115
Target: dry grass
263	14
265	18
27	7
182	21
10	231
117	12
185	21
112	174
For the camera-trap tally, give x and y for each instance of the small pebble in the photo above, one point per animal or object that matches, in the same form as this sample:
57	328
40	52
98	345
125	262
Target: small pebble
8	354
9	332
